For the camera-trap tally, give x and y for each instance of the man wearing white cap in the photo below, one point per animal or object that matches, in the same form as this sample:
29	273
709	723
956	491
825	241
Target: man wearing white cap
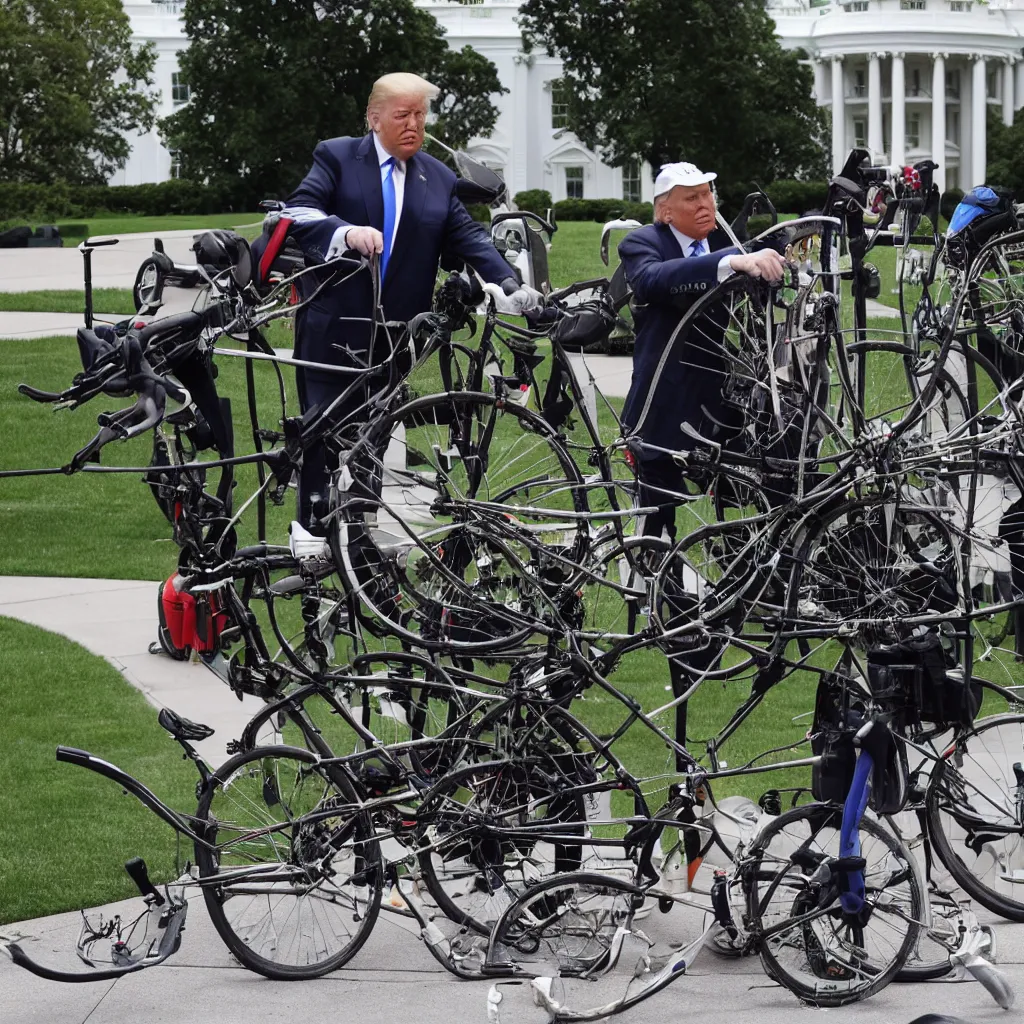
669	265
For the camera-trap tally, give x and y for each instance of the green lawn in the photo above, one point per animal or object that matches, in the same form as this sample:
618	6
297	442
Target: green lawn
67	832
124	224
104	300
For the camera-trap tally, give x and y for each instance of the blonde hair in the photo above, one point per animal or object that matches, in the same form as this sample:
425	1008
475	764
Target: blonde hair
399	83
659	206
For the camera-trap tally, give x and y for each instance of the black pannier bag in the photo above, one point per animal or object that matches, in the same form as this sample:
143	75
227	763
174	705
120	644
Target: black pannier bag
921	685
836	721
833	742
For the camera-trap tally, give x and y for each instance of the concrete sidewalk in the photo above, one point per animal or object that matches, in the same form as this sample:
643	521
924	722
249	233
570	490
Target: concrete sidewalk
114	266
117	619
394	980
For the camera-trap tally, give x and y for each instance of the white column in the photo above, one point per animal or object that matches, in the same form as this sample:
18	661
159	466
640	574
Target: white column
1019	74
838	116
818	66
979	106
939	118
899	112
875	143
1008	107
519	171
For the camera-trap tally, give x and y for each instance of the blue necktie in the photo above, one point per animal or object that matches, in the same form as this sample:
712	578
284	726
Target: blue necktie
388	188
697	249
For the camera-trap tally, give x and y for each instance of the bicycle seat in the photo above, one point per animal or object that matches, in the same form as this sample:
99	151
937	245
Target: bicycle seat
181	728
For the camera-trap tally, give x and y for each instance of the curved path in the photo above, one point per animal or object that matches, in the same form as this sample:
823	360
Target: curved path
117	619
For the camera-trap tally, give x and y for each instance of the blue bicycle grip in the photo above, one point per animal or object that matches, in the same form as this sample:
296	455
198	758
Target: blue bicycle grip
852	894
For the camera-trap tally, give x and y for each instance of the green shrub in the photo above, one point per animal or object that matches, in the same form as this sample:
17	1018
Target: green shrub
797	196
758	223
601	210
156	199
534	200
480	212
73	230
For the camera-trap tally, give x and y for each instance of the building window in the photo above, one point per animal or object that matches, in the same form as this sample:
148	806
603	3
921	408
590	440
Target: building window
559	104
959	5
856	5
912	5
860	133
992	85
914	89
631	181
913	131
180	90
953	85
574	183
859	85
952	128
175	163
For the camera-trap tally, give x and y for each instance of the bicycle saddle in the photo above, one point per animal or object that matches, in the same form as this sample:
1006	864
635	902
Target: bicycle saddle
181	728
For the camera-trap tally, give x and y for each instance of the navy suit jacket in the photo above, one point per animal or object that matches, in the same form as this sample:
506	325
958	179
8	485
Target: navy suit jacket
665	285
344	182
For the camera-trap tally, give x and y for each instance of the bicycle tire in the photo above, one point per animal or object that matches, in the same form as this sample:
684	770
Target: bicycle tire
472	877
827	969
948	848
265	772
490	480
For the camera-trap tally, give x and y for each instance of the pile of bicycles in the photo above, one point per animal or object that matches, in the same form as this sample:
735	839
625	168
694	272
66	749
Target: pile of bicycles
443	735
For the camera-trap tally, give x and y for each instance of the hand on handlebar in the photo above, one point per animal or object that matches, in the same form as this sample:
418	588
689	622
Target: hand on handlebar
765	263
364	240
516	304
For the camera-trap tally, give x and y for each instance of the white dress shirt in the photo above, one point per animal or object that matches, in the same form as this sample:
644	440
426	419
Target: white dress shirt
724	264
338	242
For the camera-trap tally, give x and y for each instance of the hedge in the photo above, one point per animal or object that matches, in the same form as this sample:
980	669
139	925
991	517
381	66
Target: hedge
55	202
534	200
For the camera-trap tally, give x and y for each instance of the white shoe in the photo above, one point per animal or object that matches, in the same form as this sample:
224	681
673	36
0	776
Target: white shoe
304	545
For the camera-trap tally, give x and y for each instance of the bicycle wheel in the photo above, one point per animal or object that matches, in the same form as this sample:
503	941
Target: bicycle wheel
476	828
808	943
573	934
292	888
874	565
975	804
481	509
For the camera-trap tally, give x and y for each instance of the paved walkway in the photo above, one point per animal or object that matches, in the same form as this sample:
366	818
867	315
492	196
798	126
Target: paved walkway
117	620
114	266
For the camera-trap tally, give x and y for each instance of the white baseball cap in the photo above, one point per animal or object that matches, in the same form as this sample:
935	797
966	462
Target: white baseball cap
671	175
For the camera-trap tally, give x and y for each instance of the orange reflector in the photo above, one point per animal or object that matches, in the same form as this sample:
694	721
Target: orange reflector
692	868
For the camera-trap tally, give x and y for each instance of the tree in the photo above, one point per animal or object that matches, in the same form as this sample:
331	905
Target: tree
270	79
699	80
72	86
1005	152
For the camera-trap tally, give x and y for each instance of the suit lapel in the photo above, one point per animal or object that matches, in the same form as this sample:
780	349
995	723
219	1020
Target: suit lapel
369	182
412	209
670	247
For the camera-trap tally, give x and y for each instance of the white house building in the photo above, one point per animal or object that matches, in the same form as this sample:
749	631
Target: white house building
907	79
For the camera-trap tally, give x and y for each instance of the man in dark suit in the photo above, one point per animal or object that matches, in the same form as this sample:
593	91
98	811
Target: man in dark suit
669	265
378	195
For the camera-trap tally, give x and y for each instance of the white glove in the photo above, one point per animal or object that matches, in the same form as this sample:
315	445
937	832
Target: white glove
522	299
